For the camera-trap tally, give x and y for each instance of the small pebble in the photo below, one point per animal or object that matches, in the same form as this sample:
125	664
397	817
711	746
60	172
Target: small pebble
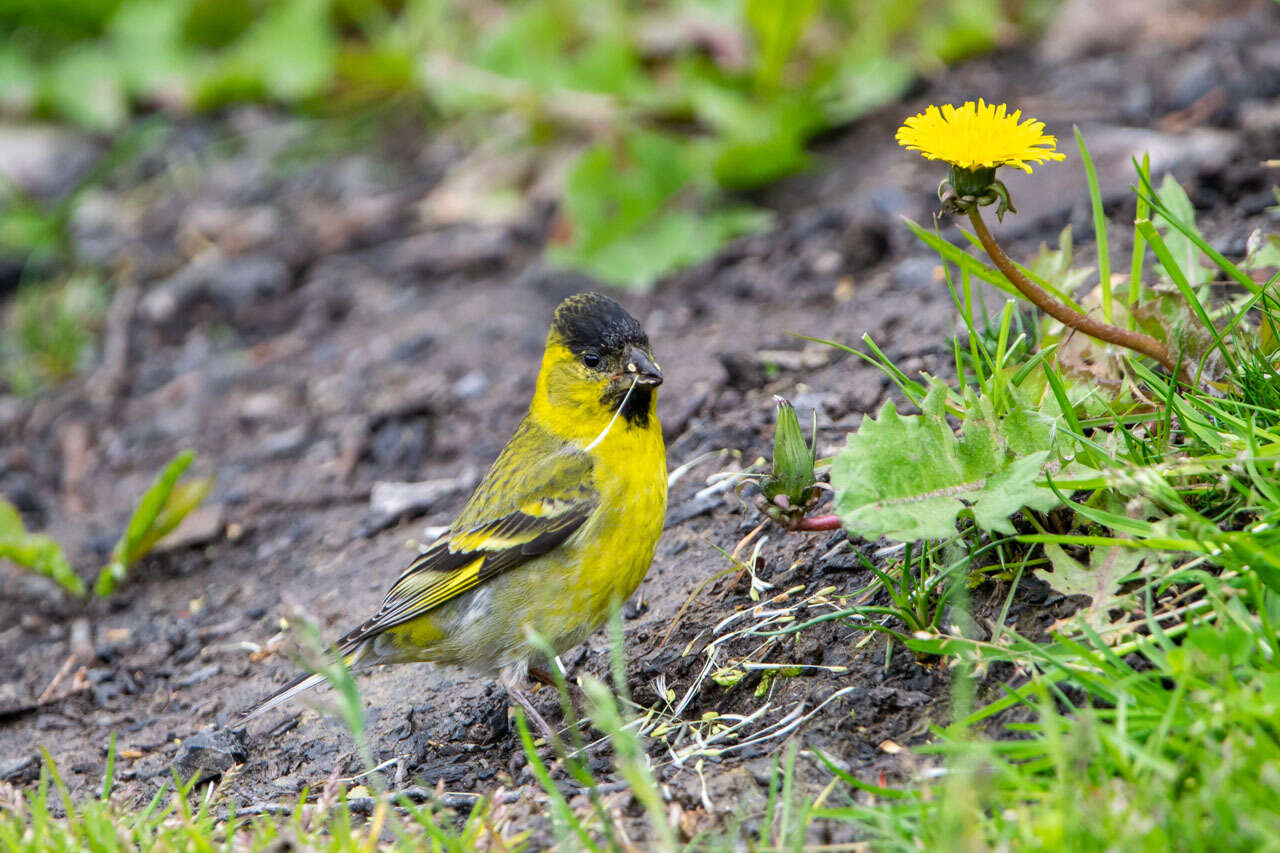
208	755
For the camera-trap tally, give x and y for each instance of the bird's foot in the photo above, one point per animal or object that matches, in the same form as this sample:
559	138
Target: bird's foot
542	676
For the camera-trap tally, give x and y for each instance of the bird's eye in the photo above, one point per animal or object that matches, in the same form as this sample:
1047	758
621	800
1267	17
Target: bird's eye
591	358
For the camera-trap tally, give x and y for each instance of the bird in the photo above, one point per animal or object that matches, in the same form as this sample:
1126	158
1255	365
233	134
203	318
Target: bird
561	529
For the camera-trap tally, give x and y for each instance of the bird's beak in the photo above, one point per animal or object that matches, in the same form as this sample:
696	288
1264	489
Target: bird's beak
643	367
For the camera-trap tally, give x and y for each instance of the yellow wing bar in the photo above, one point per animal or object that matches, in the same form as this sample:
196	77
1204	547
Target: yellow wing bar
464	560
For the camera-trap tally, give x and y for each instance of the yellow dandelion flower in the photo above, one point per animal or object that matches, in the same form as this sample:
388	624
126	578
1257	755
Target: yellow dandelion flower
978	136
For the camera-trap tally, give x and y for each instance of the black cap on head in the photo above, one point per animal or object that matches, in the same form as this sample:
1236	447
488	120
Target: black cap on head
594	320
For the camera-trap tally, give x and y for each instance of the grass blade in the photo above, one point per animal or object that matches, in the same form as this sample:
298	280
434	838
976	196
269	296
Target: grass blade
1099	229
1188	292
1139	245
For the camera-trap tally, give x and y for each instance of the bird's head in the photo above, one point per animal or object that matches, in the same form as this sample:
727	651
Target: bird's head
598	359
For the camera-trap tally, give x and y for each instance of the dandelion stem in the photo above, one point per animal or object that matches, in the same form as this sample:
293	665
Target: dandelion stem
1127	338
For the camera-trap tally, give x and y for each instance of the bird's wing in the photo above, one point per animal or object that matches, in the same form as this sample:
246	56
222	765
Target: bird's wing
537	494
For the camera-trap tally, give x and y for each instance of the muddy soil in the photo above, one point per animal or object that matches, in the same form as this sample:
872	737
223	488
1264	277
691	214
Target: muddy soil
297	325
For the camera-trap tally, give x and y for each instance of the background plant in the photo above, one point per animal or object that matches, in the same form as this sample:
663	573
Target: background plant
161	509
654	113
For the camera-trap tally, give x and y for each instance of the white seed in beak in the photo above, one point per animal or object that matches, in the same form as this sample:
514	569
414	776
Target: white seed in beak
631	367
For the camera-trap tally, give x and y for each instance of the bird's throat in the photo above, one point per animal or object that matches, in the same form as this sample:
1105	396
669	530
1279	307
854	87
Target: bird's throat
636	407
639	406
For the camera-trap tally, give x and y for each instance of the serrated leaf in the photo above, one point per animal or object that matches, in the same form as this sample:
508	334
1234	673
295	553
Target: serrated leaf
1008	491
1100	581
1028	423
1027	430
34	551
761	142
910	477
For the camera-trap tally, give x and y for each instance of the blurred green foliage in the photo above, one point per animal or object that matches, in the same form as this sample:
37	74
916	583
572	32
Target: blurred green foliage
34	551
161	509
628	225
35	231
659	107
48	332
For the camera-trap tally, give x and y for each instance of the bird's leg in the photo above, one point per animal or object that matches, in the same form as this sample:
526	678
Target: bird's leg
510	681
545	676
531	712
551	738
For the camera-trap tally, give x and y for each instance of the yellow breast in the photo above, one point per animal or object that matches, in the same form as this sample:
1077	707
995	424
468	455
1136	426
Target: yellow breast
605	561
631	477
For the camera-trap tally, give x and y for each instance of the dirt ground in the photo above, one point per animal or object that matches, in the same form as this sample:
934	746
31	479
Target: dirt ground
297	325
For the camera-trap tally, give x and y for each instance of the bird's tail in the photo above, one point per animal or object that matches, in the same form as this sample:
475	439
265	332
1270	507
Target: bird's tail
303	682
